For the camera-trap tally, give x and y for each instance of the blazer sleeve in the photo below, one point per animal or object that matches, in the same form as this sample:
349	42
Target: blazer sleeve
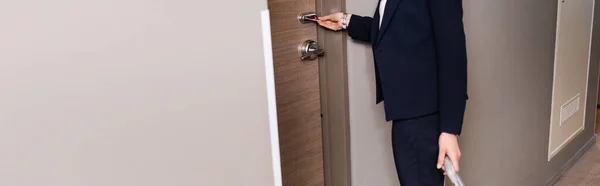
360	28
451	58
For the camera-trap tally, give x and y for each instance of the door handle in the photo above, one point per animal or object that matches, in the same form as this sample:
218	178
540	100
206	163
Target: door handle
308	17
310	50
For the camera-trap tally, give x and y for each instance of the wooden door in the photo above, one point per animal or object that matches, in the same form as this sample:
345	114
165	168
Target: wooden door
298	95
597	122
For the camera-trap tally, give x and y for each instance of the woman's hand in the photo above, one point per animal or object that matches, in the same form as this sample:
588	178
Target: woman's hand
333	21
449	146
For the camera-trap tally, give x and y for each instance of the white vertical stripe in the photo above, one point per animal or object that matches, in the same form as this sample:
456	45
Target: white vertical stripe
272	104
381	11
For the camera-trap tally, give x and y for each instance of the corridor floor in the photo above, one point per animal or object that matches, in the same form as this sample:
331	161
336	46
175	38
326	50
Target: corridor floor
586	171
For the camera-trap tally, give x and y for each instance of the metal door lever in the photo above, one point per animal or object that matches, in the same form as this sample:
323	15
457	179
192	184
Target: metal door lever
313	55
308	17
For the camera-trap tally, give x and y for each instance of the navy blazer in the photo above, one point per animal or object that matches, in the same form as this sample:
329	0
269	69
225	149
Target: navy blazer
420	59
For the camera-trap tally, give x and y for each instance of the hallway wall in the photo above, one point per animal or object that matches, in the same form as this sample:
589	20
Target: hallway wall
370	135
505	140
123	93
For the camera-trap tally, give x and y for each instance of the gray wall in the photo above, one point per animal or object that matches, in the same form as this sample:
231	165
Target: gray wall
370	135
505	141
124	93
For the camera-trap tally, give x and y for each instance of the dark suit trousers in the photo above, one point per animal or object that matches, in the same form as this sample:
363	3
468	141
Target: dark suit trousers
415	144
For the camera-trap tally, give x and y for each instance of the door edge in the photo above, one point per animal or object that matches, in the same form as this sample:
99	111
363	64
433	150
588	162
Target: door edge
334	100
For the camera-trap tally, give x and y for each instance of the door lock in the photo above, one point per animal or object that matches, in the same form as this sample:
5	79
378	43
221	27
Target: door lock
310	50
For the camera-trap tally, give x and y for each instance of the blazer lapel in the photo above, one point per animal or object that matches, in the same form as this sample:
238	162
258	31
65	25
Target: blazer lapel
389	11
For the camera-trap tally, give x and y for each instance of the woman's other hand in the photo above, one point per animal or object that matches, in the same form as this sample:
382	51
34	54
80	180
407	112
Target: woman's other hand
333	21
448	144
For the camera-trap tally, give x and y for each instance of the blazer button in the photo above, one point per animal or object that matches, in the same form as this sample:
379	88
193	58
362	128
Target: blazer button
380	51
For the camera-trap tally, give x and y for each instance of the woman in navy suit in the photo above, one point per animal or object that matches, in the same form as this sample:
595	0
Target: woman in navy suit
421	73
